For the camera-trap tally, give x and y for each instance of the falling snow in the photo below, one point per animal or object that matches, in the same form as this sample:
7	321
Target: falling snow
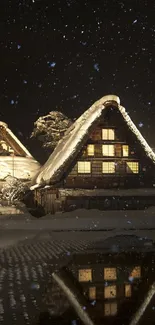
68	54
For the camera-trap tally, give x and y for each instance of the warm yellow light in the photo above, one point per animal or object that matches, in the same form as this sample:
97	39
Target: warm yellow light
90	149
136	272
3	145
133	167
108	167
84	167
127	290
108	134
110	309
85	275
92	293
110	273
110	292
108	150
125	150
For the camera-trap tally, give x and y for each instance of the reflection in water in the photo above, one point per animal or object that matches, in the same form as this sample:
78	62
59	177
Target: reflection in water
110	287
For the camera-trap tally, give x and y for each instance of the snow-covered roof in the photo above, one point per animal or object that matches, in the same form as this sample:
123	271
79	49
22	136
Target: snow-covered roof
72	142
15	139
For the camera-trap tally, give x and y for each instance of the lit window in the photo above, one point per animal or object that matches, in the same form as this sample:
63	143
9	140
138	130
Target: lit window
110	309
92	293
84	167
110	273
108	167
127	290
125	150
108	134
90	149
132	167
136	272
108	150
11	150
85	275
3	145
110	292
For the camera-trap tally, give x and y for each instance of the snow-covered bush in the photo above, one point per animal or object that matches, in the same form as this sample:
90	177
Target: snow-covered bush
13	189
50	128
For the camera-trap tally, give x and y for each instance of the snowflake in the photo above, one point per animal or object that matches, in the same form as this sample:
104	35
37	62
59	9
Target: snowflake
96	67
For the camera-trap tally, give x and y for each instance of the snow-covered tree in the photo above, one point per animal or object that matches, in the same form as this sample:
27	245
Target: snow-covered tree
13	189
50	128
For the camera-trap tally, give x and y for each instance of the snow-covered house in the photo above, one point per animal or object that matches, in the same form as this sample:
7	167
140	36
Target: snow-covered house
15	159
102	161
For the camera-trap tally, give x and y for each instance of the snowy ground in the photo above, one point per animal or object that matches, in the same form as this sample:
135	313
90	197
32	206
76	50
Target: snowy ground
16	228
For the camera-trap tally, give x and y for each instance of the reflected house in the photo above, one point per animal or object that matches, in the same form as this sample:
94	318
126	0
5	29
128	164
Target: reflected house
15	159
114	285
101	159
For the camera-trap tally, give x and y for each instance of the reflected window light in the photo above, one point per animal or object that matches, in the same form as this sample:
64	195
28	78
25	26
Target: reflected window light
127	290
85	275
110	309
110	273
110	292
92	293
136	272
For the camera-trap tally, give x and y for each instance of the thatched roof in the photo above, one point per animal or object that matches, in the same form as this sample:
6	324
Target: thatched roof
72	142
13	141
18	162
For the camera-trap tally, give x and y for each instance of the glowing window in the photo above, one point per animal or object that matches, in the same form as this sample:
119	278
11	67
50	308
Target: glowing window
108	150
92	293
108	134
110	273
3	145
132	167
125	150
110	309
90	149
127	290
108	167
136	272
110	292
84	167
85	275
11	150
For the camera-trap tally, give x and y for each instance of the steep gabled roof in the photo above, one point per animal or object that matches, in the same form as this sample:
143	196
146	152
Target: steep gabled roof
72	142
13	141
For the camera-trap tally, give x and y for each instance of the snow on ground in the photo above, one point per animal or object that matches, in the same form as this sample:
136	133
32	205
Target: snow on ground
82	219
88	223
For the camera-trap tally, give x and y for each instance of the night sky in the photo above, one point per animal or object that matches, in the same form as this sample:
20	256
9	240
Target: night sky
65	54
